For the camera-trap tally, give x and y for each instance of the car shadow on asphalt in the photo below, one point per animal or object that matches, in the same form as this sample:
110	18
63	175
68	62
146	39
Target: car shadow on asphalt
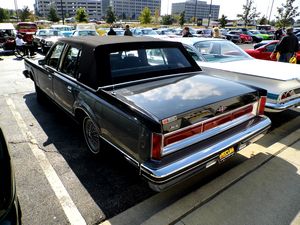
111	181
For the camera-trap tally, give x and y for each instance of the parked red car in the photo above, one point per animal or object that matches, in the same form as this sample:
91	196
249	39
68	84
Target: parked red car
264	52
244	37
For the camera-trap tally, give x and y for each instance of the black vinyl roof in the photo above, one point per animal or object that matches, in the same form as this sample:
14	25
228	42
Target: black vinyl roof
94	41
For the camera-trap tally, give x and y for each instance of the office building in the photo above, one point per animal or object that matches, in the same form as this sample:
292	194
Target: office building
131	9
198	9
69	7
96	9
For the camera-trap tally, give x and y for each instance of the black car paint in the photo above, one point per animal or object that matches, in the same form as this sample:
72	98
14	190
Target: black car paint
123	121
10	212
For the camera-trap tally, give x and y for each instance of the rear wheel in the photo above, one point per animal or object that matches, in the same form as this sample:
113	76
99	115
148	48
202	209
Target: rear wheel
91	135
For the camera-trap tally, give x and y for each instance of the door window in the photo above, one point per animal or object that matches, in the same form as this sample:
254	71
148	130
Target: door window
53	59
71	62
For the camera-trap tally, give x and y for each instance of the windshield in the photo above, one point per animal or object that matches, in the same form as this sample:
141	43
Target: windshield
49	33
220	51
62	28
87	33
149	32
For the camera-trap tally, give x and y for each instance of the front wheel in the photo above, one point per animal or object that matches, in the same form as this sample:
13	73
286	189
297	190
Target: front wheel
91	135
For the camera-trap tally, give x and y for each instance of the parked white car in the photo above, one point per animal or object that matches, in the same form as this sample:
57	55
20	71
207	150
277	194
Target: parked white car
221	58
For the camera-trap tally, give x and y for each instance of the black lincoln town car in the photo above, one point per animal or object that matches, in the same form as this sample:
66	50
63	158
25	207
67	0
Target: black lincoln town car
150	100
10	213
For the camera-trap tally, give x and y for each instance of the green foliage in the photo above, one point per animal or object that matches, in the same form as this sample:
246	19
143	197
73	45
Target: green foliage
156	16
53	15
24	13
110	16
223	21
145	16
249	13
4	15
81	15
181	20
286	13
263	21
167	20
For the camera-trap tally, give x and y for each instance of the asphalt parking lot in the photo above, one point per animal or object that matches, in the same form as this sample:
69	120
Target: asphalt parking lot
58	180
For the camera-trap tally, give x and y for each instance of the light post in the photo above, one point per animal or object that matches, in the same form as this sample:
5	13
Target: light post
271	11
62	12
195	11
209	15
16	8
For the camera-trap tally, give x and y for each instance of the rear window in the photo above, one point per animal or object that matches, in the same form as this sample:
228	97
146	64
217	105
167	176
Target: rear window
141	61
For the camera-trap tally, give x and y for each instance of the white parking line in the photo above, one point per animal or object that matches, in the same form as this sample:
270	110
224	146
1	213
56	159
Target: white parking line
60	191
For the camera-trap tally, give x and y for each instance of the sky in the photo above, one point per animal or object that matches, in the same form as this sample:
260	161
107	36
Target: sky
229	8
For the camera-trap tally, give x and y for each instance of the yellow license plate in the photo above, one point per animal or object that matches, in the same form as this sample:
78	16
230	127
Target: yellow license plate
227	153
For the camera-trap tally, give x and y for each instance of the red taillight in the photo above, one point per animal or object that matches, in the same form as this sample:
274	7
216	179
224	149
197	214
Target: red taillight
206	125
216	122
261	105
242	111
286	94
183	134
156	146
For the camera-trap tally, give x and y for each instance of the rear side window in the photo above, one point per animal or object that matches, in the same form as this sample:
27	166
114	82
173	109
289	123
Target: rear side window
54	55
142	61
71	62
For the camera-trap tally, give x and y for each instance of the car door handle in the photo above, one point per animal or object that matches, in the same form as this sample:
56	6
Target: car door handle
69	89
50	77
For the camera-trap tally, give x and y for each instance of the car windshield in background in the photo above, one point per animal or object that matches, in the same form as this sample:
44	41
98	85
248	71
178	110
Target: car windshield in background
220	51
149	32
141	61
50	33
87	33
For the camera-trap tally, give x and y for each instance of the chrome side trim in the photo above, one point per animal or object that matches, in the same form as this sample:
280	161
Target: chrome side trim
205	135
184	165
278	107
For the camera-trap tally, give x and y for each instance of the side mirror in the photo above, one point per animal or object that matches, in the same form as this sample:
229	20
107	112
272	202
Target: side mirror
42	62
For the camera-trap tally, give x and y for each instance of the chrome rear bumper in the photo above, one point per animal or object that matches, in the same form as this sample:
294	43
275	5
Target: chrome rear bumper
279	107
191	160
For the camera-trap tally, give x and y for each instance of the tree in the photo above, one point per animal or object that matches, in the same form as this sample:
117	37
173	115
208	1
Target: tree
166	20
175	18
110	15
81	15
24	13
223	21
249	13
181	20
286	13
192	19
145	16
263	21
156	16
4	15
53	15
